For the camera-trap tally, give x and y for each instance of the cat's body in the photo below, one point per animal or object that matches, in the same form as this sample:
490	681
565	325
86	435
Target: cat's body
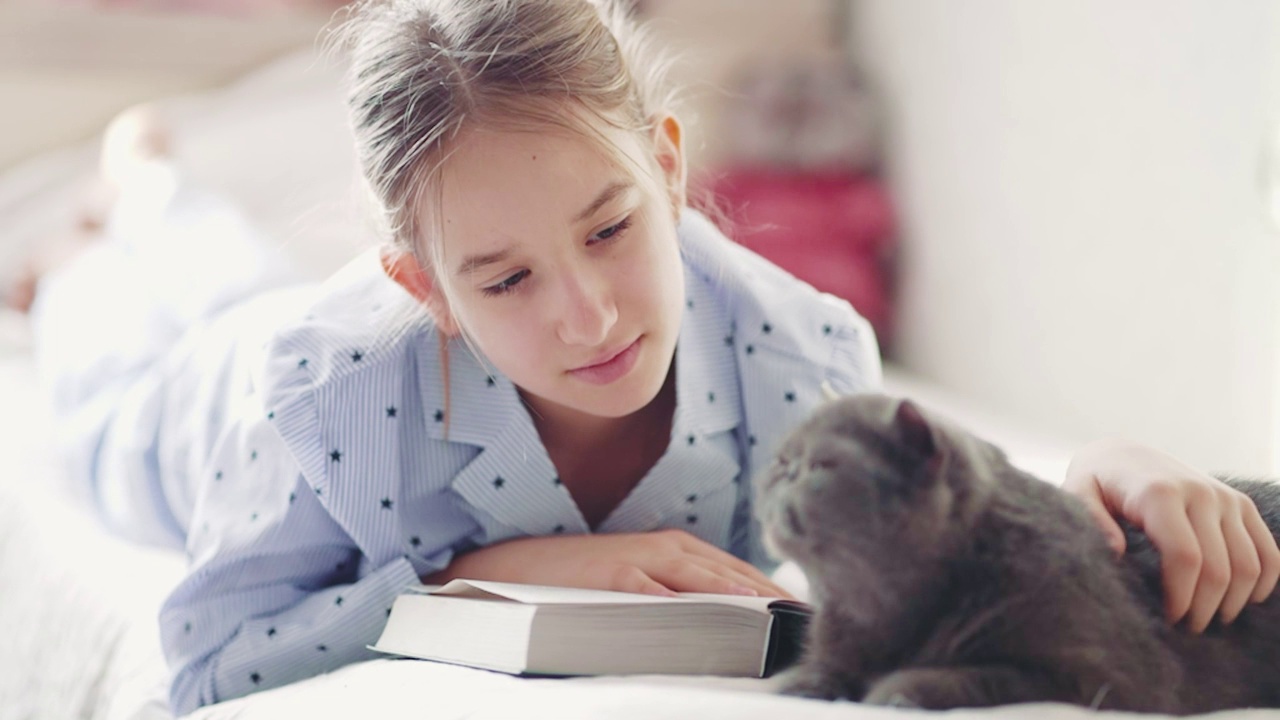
942	576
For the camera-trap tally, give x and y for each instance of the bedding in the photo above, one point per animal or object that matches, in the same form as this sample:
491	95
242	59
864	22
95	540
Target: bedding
78	607
78	635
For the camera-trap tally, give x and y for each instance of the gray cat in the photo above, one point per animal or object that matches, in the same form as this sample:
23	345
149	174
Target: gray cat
944	577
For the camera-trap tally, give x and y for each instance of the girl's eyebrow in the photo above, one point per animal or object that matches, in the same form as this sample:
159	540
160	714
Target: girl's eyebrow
473	263
611	191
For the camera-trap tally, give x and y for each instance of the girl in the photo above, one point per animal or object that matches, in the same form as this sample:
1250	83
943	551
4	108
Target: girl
554	372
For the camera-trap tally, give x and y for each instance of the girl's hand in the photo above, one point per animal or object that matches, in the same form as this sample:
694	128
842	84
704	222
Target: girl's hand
1216	552
662	562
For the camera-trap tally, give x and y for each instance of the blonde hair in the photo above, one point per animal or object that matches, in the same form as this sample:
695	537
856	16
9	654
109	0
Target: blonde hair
422	70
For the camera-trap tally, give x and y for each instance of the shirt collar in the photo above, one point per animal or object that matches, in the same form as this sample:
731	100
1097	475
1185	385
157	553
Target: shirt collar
485	410
482	403
708	400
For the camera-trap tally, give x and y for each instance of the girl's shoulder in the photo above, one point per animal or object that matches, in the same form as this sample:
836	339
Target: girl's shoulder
357	324
778	319
358	312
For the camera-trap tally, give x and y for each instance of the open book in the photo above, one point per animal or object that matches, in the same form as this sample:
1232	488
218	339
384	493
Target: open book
540	630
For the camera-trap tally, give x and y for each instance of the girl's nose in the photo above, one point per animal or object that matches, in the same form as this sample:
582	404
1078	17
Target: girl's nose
589	311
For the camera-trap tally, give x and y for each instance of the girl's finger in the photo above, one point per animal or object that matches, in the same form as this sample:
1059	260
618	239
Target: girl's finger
1268	554
697	546
684	575
763	587
1215	565
1090	493
635	580
1244	563
1167	526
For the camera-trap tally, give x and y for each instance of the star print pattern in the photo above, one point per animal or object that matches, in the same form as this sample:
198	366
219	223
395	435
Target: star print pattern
347	510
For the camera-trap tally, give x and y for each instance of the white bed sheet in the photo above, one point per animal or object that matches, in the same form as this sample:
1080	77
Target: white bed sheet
78	608
78	637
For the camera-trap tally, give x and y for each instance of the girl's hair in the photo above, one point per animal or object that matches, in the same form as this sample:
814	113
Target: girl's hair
423	70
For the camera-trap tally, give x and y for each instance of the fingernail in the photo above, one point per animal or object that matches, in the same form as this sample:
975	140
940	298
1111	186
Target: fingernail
744	590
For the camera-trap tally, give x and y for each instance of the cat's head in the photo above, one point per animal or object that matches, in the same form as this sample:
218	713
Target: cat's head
869	473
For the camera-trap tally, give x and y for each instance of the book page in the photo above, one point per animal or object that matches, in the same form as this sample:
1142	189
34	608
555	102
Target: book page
549	595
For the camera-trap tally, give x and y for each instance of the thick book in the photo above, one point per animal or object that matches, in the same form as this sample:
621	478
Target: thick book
540	630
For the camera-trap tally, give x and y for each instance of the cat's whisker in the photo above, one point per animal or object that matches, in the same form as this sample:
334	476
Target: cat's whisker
1099	696
793	519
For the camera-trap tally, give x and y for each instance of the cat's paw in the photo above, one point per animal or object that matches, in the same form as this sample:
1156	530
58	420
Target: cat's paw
804	681
945	688
894	695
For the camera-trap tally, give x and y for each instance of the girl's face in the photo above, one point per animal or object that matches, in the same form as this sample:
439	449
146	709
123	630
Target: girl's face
563	268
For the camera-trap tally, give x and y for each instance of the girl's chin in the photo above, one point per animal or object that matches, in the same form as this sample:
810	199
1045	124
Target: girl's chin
616	400
616	404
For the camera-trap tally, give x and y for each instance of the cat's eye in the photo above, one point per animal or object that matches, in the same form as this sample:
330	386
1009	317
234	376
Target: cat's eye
823	463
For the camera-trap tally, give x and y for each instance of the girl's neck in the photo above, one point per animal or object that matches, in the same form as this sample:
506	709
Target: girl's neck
600	460
562	428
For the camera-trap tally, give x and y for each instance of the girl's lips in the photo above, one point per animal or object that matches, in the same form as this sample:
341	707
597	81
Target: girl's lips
612	369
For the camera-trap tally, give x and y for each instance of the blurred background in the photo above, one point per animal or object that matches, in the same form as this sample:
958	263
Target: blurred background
1063	213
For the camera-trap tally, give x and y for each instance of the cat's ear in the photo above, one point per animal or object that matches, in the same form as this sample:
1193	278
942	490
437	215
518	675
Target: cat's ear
914	429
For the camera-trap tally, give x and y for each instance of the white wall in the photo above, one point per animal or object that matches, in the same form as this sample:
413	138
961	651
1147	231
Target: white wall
1086	243
712	40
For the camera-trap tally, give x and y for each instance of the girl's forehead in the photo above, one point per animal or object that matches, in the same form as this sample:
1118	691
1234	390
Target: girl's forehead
499	183
493	157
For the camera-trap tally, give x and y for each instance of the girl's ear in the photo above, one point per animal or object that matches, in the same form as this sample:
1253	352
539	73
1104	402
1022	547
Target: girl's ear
408	273
668	139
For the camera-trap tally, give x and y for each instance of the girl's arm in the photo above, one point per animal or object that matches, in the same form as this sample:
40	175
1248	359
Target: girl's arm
271	599
658	563
1217	553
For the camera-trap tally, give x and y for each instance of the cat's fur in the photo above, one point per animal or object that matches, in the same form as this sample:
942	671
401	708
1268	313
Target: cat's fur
944	577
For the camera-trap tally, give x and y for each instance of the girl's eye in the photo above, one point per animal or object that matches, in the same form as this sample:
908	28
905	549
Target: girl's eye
613	231
506	286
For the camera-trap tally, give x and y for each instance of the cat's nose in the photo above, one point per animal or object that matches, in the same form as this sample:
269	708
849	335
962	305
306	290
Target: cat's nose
793	470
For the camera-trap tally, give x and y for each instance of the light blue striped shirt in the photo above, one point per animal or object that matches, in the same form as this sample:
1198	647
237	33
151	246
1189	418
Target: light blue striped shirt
319	480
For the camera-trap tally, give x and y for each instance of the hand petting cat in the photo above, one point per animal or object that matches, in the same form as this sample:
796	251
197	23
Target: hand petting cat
1217	553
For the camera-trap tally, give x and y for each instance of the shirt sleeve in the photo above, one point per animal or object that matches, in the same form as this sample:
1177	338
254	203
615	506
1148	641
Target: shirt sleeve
277	590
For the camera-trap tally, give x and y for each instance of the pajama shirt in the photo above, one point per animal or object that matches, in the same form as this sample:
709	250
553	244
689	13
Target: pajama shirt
294	442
